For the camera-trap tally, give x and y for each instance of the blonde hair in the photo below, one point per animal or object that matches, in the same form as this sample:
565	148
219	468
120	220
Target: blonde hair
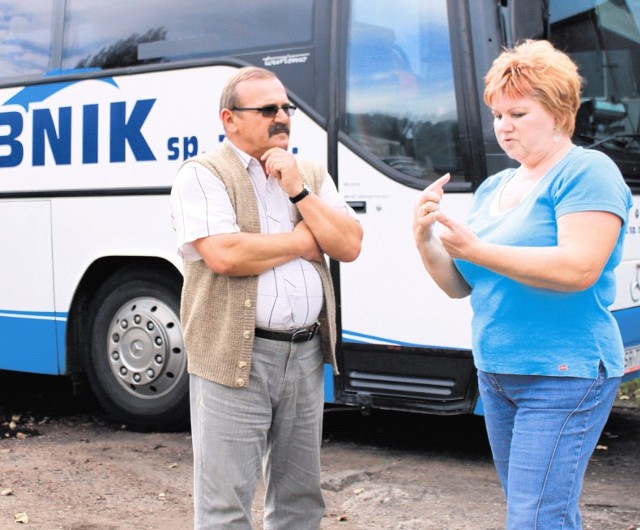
229	97
536	69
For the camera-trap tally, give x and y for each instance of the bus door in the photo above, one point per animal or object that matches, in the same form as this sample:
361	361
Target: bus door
403	340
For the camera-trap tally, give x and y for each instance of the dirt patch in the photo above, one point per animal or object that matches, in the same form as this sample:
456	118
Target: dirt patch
73	469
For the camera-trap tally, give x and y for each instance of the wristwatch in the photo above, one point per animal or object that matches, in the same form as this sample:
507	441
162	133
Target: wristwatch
305	191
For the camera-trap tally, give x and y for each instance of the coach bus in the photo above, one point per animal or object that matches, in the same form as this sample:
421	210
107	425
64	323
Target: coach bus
101	101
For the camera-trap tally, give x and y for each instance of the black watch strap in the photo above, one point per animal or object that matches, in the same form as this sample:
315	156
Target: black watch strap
305	191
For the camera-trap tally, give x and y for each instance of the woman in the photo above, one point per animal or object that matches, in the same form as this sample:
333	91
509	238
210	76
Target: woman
537	257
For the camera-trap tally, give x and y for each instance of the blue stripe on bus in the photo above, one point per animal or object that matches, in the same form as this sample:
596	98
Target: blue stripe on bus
628	322
329	396
354	337
37	93
32	342
35	342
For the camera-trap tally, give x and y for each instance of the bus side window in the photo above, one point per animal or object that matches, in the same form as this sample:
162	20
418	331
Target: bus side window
163	31
25	37
400	96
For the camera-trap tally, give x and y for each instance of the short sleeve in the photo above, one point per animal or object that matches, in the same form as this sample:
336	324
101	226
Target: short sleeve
199	206
329	195
591	182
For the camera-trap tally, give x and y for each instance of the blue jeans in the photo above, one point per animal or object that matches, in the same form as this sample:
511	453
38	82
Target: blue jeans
542	432
275	426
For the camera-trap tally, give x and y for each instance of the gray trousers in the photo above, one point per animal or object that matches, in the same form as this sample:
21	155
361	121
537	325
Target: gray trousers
276	423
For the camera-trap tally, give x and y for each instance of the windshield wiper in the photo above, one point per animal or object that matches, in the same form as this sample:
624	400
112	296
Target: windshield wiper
619	138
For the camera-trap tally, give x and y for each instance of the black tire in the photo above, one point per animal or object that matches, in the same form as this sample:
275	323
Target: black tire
136	363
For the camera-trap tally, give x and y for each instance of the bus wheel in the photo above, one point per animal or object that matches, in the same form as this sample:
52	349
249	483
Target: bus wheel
137	361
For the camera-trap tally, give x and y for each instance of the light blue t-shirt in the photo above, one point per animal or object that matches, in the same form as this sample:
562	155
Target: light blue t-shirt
525	330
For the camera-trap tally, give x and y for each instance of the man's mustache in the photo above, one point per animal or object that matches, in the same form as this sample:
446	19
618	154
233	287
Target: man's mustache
278	128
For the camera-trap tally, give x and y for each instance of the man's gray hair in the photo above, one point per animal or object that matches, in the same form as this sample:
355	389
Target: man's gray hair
228	98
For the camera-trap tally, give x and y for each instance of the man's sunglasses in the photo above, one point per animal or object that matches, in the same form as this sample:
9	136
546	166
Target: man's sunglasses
269	111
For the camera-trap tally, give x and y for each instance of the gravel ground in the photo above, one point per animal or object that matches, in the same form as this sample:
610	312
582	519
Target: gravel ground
64	465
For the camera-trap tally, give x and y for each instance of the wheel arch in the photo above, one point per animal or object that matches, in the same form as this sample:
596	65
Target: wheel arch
78	320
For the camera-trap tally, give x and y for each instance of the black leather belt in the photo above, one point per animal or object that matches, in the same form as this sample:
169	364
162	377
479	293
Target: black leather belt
295	335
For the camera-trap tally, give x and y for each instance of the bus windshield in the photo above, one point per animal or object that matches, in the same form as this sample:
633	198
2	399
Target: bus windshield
603	37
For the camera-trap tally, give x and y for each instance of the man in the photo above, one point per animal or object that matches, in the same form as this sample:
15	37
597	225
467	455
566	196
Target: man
254	224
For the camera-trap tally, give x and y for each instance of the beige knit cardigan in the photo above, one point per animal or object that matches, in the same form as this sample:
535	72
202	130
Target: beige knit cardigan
218	312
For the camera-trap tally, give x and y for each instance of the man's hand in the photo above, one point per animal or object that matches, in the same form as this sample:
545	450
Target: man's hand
282	165
335	233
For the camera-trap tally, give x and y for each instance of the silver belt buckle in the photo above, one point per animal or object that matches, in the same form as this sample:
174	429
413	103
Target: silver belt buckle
304	334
